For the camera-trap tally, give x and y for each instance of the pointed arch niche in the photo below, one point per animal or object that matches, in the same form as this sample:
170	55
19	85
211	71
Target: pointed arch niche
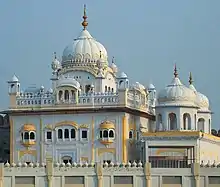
201	124
159	122
172	119
187	121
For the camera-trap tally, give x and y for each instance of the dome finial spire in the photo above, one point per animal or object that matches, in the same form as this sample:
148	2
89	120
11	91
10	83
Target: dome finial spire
84	23
175	71
55	55
113	60
190	78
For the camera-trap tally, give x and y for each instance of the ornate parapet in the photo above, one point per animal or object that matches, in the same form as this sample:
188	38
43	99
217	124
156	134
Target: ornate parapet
137	173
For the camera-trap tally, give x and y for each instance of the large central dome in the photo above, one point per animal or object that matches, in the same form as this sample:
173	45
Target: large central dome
84	48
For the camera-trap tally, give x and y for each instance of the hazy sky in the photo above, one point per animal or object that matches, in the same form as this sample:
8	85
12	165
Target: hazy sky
145	36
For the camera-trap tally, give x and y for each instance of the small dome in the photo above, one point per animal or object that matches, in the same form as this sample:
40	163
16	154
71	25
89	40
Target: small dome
113	66
14	79
68	81
176	92
201	100
55	64
107	125
85	47
28	127
151	87
123	75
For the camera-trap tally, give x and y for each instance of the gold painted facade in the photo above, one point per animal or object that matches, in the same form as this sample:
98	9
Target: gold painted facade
93	140
11	140
29	127
106	150
124	139
27	152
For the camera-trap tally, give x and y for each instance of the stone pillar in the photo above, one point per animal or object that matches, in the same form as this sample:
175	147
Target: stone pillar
99	174
147	173
1	174
49	171
76	96
196	173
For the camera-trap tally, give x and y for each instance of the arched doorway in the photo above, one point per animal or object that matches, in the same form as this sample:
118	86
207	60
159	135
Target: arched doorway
172	121
201	124
186	121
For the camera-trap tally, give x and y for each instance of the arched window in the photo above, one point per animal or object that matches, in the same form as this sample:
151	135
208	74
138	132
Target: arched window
112	89
60	94
100	134
105	134
130	134
105	88
72	94
66	133
26	135
201	124
111	134
67	159
186	121
172	121
73	133
32	136
109	89
159	124
60	134
66	95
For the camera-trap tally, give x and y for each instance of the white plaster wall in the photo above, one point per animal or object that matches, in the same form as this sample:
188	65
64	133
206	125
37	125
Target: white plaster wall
209	151
79	148
83	77
139	178
109	81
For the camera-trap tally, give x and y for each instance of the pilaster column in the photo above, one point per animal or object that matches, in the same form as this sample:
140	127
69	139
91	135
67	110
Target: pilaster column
99	174
76	96
147	173
197	181
196	173
49	171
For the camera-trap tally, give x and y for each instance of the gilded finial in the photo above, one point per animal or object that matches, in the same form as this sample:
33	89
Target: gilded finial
175	71
190	78
84	23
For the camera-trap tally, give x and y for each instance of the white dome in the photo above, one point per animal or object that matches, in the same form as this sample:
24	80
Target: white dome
177	93
151	87
85	47
68	81
14	79
201	100
123	75
114	67
55	64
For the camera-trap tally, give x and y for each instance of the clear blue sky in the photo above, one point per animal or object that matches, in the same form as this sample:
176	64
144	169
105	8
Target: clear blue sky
145	36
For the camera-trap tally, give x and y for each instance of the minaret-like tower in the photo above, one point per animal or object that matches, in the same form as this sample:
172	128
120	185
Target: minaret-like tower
13	90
